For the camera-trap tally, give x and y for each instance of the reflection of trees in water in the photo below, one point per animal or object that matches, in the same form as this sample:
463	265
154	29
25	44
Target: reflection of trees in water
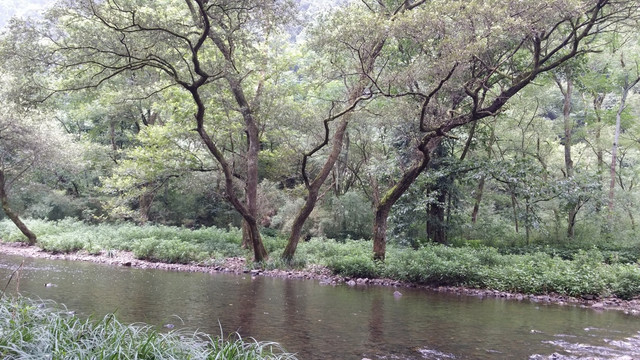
376	319
296	323
248	297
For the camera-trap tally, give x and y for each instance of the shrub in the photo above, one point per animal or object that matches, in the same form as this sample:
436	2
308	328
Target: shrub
355	266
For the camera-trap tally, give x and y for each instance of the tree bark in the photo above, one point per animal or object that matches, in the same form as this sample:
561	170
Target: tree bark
314	191
480	189
568	162
435	222
478	199
392	195
4	199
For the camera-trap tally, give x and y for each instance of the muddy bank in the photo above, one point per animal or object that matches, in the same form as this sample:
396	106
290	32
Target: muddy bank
314	272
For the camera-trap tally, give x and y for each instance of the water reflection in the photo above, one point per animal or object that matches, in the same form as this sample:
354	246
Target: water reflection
326	322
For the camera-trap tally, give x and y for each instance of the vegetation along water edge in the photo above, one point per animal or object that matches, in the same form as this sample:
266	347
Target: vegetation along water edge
598	278
42	329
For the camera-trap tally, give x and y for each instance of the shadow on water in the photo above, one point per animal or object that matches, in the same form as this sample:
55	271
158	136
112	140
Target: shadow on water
326	322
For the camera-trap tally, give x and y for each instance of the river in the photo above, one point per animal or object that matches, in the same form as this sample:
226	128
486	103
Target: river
331	322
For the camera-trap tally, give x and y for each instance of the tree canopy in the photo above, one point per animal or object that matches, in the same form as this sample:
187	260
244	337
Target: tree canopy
405	121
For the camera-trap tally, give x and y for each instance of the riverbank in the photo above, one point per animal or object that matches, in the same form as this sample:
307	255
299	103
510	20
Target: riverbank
322	274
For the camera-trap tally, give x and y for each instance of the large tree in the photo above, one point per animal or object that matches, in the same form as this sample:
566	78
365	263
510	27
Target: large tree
215	51
469	59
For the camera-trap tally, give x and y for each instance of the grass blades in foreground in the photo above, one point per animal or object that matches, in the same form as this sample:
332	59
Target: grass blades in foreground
42	330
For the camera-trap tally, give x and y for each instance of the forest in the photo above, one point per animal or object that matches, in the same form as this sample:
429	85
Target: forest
407	127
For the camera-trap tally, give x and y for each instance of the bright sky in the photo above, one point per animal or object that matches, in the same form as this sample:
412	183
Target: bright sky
9	8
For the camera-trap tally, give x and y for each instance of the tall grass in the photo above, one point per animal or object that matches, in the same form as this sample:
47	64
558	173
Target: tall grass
39	330
150	242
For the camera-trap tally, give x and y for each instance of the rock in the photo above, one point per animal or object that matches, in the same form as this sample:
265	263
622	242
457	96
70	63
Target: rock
597	305
351	283
127	263
397	294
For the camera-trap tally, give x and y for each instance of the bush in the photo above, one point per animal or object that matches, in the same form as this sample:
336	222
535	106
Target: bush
355	266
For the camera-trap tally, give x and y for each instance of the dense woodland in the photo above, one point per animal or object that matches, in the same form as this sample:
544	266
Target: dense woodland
498	123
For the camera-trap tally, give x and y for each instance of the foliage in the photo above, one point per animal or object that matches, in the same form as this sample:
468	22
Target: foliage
30	330
568	270
151	242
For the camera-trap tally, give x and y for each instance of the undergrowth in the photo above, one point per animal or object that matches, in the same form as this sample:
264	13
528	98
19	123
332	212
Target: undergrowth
535	270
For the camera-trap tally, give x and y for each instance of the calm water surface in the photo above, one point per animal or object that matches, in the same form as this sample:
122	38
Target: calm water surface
327	322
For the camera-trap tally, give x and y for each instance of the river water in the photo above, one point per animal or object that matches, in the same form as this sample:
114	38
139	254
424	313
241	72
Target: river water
332	322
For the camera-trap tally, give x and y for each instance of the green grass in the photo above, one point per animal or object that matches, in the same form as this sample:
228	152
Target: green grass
151	242
39	330
604	269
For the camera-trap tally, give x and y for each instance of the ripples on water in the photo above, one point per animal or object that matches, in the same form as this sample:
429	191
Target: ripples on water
612	349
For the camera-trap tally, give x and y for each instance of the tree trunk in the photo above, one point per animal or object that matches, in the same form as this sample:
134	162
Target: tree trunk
514	207
598	99
394	193
435	222
480	190
614	149
573	212
568	162
435	219
259	252
380	230
144	206
4	199
478	198
314	191
313	188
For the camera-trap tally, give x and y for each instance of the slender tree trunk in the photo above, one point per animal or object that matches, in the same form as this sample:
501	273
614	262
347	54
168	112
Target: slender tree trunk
527	225
632	219
435	220
314	190
480	189
478	198
597	107
514	207
4	199
573	212
614	149
259	252
568	162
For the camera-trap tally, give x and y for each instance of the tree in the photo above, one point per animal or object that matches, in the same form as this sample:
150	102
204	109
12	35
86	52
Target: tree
628	82
18	154
466	75
214	51
28	143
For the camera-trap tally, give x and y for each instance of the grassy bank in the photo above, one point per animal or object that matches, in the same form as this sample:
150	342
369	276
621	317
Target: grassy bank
37	330
534	271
